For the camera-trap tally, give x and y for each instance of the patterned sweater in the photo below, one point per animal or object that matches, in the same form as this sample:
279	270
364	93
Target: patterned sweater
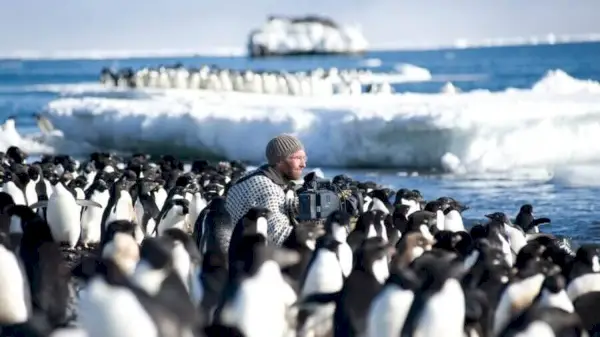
261	191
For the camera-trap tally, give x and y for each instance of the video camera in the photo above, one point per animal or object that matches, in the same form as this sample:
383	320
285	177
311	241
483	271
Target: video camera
318	198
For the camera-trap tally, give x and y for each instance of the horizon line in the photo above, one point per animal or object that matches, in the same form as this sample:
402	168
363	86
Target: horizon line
458	44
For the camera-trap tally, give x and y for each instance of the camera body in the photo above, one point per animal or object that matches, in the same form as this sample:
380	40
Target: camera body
317	199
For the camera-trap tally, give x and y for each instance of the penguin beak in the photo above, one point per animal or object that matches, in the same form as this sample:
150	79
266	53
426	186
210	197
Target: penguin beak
489	216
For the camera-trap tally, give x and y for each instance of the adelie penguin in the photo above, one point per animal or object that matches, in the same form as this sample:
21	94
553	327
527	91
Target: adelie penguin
63	214
366	280
257	298
527	222
91	217
584	286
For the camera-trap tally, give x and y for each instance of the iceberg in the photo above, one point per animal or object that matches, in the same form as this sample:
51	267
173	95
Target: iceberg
310	35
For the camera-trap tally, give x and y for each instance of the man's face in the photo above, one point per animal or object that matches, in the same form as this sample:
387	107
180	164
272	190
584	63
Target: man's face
293	165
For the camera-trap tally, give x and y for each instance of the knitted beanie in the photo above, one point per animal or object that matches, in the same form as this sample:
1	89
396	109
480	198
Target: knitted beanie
281	147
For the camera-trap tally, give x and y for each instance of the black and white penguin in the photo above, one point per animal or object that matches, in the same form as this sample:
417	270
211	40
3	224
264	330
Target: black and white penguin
63	213
113	306
520	294
46	270
584	286
302	240
440	288
15	183
175	215
410	247
369	224
366	280
424	222
390	307
257	299
324	275
516	236
14	287
214	228
338	226
253	222
146	208
119	246
527	222
120	204
91	217
186	262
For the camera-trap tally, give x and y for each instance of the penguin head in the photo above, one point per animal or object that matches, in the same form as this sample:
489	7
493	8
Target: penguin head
99	185
588	255
6	201
255	221
20	175
180	237
526	209
338	225
410	247
434	206
180	205
498	217
34	171
530	261
122	250
256	255
78	182
424	222
16	155
118	226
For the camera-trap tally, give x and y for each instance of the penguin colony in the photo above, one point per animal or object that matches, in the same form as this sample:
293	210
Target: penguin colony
317	82
126	247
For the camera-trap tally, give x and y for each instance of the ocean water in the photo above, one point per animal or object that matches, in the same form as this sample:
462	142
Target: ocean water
526	128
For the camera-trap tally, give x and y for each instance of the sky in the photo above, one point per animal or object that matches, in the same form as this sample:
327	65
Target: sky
62	25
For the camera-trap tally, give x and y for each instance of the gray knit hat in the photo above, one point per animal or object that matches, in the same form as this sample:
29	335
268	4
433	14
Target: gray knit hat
281	147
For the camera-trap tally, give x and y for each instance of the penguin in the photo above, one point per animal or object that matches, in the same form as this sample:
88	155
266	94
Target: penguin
145	206
324	275
302	240
120	203
253	222
440	288
63	214
366	280
337	226
527	222
583	287
390	307
91	217
15	182
175	215
410	247
520	294
114	306
368	225
47	272
119	246
453	220
186	262
516	236
14	287
408	198
257	299
214	228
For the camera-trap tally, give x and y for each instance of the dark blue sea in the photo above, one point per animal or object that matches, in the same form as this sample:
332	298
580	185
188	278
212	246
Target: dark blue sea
525	129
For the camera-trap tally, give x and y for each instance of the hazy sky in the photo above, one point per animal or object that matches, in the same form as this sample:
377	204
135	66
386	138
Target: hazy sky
50	25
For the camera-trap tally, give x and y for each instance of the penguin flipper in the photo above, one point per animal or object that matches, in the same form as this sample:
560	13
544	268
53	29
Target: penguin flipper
39	204
87	203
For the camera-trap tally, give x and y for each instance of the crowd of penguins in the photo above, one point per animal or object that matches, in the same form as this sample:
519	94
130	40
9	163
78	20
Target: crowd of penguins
128	247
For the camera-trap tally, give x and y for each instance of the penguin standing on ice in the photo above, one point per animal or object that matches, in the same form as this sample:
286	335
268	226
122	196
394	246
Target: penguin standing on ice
145	206
63	214
91	217
366	280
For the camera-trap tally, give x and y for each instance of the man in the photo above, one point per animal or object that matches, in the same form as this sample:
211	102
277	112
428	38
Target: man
266	186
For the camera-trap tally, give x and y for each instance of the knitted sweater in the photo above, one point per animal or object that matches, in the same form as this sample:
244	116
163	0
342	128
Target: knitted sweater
261	191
